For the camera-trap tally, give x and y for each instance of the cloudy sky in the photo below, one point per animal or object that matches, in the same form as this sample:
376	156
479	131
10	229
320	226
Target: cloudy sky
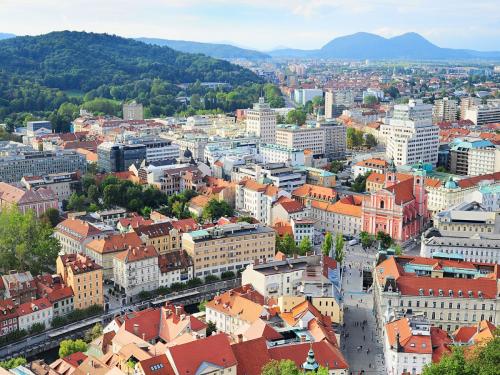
262	24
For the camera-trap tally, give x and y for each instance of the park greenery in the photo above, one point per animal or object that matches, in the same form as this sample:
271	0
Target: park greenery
93	333
367	240
385	240
336	166
288	246
76	315
215	209
26	242
359	184
339	248
480	360
327	245
52	76
286	367
296	116
13	363
357	139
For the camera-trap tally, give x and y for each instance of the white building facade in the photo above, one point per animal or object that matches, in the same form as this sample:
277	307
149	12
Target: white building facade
261	121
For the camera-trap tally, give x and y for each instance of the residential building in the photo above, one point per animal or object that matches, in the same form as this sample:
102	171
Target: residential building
335	138
302	96
450	293
369	165
261	121
175	267
337	101
411	343
103	250
320	177
37	128
20	287
471	247
37	200
445	109
285	209
412	136
136	270
74	234
303	228
118	157
256	199
468	218
273	153
488	196
62	184
343	216
38	311
228	248
8	317
16	164
304	137
133	111
484	113
281	175
163	236
309	193
58	294
467	103
159	149
379	94
475	334
84	276
399	209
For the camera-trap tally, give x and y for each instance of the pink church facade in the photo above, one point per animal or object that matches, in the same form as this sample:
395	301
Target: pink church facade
398	209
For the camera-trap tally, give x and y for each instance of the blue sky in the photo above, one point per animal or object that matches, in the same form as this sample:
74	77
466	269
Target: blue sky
263	24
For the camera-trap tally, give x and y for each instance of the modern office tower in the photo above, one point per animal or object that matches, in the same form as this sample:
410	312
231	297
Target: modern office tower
118	157
411	135
484	114
302	96
34	128
18	163
301	137
261	121
133	111
474	157
444	110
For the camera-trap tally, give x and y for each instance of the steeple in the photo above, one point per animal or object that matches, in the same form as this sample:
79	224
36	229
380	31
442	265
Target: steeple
390	176
310	365
392	166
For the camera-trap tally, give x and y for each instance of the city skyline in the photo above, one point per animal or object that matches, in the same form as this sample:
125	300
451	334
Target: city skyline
254	24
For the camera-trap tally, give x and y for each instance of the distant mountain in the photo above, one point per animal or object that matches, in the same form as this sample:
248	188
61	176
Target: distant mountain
84	61
410	46
6	36
216	50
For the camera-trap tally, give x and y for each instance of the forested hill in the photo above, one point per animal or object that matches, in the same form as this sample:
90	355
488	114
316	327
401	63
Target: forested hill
84	61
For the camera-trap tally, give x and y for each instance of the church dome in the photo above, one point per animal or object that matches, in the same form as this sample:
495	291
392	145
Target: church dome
451	184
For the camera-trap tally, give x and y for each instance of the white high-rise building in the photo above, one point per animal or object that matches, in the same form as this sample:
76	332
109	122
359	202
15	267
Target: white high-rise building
261	121
411	135
337	101
444	110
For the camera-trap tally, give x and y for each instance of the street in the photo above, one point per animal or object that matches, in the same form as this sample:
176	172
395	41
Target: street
360	344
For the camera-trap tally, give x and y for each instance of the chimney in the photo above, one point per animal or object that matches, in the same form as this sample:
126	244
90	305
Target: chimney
177	310
183	316
144	336
303	338
136	329
91	363
240	338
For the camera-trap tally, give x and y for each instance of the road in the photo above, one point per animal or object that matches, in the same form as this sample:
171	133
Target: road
43	340
357	337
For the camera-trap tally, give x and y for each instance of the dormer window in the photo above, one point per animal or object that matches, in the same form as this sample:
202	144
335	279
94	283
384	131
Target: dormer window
480	294
421	292
441	292
470	293
450	293
460	293
431	292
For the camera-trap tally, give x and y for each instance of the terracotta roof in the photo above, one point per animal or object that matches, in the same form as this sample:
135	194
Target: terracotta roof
269	190
79	263
347	206
473	181
292	206
372	163
251	356
137	253
36	305
75	359
134	221
114	243
433	182
185	225
259	328
174	260
214	350
294	316
158	365
82	228
403	191
237	304
154	230
60	294
15	195
315	192
441	343
326	354
200	201
7	309
480	333
410	343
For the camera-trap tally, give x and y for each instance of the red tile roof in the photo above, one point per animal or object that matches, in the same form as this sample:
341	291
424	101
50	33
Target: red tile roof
292	206
326	354
215	349
137	253
185	225
75	359
251	355
473	181
158	365
410	342
403	191
36	305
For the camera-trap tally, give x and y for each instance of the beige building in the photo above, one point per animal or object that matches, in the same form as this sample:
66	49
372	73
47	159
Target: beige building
163	236
75	234
320	177
228	248
261	121
468	218
343	216
302	137
444	110
62	184
84	276
136	270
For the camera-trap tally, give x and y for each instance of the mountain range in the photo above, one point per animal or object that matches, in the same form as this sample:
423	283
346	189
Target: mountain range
410	46
6	36
216	50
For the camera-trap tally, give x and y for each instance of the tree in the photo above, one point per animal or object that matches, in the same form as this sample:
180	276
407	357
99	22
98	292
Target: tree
93	333
211	328
385	239
336	166
366	239
296	116
76	202
202	305
327	245
288	244
354	138
359	184
215	210
398	250
339	248
370	100
51	216
246	219
392	91
283	367
68	347
13	363
305	246
452	364
370	140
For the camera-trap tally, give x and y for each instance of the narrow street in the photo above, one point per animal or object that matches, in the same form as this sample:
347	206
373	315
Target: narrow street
360	343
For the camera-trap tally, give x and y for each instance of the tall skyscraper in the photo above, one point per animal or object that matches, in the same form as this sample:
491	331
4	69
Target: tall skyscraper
261	121
337	101
411	135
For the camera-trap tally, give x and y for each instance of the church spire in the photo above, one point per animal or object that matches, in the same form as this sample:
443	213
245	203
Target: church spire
310	365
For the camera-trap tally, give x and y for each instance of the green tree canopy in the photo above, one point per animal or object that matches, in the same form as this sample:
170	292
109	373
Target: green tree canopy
67	347
366	239
327	245
283	367
215	209
385	240
296	116
305	246
339	248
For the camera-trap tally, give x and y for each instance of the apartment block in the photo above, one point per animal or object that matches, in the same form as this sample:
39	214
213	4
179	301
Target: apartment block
307	137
